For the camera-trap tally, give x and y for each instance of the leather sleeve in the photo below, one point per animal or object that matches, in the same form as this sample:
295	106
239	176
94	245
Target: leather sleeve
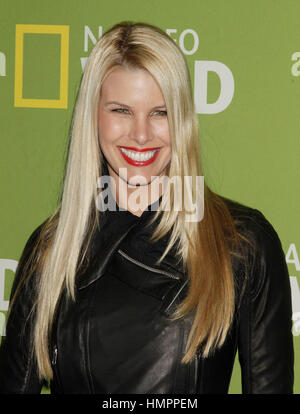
18	373
265	342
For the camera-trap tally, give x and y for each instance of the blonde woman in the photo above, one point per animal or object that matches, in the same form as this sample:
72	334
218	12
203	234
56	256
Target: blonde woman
142	298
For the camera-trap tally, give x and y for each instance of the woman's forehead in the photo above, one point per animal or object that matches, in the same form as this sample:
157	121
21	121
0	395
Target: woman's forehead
124	83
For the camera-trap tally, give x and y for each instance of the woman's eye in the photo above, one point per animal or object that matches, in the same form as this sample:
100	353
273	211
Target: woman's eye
160	113
120	110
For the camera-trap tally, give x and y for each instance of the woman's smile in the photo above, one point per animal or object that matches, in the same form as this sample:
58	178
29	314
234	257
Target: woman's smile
137	157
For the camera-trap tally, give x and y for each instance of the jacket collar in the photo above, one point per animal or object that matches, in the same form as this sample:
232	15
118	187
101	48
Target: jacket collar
114	226
105	241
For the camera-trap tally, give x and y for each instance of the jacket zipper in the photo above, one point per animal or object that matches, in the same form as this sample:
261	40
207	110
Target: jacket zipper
55	367
54	356
152	269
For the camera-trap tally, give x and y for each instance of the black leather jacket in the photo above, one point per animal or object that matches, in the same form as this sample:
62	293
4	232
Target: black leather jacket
117	336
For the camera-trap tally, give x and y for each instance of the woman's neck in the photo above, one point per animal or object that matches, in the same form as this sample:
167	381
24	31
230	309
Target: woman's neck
133	198
136	199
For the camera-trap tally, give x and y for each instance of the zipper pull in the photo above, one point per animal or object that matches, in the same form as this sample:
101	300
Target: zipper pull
54	356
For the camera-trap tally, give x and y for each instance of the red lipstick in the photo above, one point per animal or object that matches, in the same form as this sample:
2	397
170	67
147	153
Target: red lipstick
139	163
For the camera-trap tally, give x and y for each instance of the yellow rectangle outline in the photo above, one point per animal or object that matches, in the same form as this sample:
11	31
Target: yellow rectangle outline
62	102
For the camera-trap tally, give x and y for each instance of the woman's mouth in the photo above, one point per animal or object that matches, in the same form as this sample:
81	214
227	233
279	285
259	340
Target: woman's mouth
139	158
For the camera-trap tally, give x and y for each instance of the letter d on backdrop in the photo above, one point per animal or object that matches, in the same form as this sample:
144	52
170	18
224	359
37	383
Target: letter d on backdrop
202	67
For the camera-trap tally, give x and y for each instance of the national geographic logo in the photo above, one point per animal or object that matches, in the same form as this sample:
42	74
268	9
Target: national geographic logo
63	31
188	41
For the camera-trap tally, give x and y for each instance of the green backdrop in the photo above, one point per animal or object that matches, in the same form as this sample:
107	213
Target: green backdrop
250	147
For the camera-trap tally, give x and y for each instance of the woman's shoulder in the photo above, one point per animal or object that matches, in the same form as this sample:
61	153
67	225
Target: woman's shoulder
33	238
29	251
35	234
265	257
251	222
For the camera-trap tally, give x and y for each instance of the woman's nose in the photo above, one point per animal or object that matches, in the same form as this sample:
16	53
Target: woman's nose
140	131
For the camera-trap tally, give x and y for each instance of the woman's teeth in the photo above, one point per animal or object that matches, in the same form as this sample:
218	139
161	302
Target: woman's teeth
138	156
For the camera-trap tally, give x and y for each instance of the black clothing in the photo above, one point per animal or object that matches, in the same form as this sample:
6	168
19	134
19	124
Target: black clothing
117	338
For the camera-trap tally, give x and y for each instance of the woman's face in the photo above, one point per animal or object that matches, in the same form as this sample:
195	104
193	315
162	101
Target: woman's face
133	126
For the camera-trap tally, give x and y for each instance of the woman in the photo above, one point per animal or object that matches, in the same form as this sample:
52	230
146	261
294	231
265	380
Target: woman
142	299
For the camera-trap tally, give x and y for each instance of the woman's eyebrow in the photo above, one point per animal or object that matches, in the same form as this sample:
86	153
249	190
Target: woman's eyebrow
115	103
128	106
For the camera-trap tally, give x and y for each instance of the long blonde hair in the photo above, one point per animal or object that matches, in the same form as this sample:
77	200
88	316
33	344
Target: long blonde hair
205	246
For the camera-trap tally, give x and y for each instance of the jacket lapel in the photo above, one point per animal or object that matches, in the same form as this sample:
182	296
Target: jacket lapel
106	240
